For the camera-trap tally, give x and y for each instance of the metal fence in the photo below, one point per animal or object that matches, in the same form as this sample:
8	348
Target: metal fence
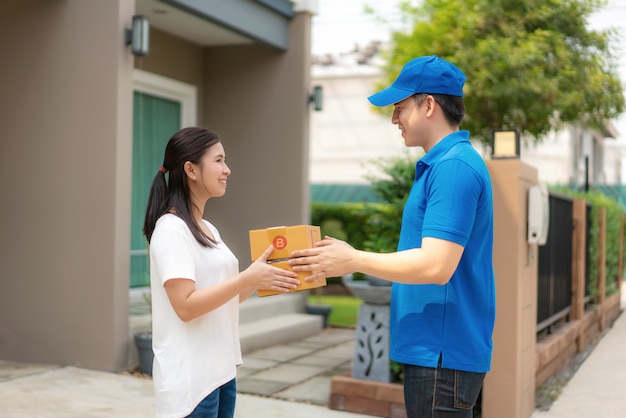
554	291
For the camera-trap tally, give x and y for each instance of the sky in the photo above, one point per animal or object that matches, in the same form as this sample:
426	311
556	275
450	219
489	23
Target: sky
342	24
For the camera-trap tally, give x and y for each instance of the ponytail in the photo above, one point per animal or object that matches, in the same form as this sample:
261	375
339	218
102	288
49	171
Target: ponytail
158	203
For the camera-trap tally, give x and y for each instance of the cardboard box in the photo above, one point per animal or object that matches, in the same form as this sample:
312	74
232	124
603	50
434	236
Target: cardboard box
285	239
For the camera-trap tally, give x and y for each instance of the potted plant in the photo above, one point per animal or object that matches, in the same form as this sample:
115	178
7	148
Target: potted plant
315	306
143	342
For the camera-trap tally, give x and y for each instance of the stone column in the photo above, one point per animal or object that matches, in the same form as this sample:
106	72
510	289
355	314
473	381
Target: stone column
371	352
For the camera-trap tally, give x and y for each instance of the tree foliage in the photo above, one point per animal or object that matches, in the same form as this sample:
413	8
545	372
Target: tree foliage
531	65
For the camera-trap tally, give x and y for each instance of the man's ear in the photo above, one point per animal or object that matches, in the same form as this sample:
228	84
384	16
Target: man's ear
430	105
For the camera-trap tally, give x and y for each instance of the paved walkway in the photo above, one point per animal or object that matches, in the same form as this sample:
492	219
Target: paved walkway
598	389
283	381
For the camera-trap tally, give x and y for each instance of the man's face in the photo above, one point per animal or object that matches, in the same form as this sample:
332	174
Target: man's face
410	118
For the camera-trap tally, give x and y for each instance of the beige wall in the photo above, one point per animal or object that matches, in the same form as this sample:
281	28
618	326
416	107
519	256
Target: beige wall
256	98
174	58
65	160
65	169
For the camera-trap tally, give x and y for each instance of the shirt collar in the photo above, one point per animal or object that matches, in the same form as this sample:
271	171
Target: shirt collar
443	146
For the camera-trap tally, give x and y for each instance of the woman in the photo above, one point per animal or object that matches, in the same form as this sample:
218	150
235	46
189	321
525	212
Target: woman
195	282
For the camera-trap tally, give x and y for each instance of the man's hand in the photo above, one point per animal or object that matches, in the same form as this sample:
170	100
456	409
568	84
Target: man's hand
328	258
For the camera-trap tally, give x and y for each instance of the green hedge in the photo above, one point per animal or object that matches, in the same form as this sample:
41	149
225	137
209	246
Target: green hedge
372	226
362	224
343	221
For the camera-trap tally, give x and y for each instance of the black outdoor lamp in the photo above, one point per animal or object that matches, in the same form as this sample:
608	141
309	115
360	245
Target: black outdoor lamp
317	98
138	37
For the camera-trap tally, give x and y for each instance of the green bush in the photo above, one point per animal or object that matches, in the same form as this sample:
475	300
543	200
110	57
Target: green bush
340	220
372	226
383	221
343	221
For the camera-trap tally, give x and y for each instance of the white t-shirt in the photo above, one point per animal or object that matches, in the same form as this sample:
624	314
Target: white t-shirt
191	359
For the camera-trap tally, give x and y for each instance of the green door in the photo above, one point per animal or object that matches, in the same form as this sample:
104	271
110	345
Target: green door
155	120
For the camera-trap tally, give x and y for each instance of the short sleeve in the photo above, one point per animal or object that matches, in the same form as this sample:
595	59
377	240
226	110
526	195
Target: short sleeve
453	196
171	253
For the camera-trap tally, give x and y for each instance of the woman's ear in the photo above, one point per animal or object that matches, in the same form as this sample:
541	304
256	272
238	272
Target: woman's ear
190	170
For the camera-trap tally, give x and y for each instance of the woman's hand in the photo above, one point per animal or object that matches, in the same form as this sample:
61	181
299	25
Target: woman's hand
267	277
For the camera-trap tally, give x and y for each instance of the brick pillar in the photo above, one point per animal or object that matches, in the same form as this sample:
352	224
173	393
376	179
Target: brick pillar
509	389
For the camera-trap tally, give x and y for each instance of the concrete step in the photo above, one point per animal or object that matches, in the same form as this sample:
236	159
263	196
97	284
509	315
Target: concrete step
263	321
278	319
255	308
280	329
252	309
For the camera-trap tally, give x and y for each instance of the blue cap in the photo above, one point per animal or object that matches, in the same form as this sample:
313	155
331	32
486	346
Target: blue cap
431	75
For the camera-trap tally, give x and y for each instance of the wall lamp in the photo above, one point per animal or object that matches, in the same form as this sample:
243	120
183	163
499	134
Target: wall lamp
317	98
505	144
138	36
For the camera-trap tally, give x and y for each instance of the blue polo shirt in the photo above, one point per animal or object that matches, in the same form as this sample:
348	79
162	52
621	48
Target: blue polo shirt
450	199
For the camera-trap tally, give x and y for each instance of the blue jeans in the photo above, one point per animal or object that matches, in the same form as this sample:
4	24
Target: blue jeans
218	404
440	393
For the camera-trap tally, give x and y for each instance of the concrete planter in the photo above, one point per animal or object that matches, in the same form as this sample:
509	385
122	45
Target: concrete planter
377	281
371	356
367	397
374	294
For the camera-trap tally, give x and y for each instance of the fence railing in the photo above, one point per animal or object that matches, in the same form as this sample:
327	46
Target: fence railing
554	290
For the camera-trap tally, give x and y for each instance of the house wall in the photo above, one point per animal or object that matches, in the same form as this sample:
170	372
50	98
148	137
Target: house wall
556	155
65	160
175	58
257	99
65	170
615	162
348	135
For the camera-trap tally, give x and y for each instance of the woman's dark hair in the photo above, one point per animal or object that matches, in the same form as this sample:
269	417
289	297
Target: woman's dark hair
188	144
453	106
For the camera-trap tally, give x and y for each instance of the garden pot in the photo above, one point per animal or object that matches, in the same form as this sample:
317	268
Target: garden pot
323	310
143	341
